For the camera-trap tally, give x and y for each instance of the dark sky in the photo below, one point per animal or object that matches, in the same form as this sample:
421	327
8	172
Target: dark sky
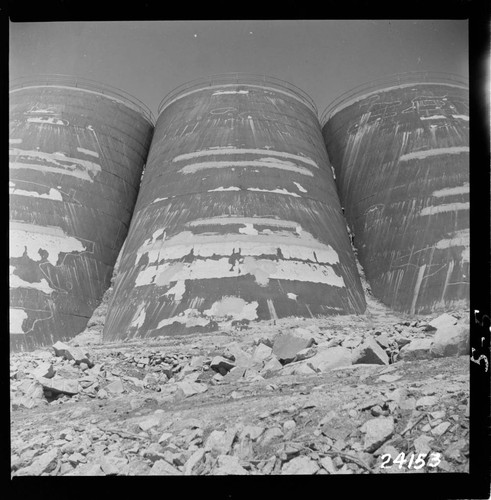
323	58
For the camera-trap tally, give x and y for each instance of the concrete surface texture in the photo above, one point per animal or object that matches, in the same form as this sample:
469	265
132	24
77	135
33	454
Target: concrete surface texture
237	217
401	157
76	156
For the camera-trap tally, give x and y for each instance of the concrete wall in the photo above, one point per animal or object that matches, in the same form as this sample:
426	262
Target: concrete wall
76	157
401	157
237	217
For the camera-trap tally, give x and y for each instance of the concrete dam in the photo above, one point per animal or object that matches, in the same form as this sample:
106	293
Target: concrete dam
238	215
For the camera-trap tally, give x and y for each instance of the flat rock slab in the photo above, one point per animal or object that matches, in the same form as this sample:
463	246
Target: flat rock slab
330	358
300	465
377	430
60	385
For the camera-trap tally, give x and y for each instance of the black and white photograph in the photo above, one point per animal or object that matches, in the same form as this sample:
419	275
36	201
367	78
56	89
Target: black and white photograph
241	247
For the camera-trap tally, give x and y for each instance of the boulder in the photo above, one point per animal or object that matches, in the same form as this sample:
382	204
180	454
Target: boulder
78	354
287	345
330	358
261	353
416	349
370	352
445	320
221	365
452	340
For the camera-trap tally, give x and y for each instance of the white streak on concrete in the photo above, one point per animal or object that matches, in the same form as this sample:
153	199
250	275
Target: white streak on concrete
222	92
417	287
156	234
17	317
88	152
276	191
379	91
292	296
126	103
17	282
453	191
248	229
449	207
15	141
263	162
221	188
262	87
49	119
434	152
206	245
300	187
226	220
233	308
190	317
262	269
139	317
461	117
32	238
433	117
160	199
53	194
230	150
178	290
75	167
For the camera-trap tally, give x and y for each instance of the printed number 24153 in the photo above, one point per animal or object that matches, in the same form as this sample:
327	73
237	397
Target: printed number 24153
412	462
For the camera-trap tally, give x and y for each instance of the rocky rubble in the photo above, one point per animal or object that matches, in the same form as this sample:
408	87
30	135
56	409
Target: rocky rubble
320	396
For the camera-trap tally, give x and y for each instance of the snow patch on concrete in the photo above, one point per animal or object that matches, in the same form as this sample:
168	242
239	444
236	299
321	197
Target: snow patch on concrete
32	239
449	207
434	152
53	194
16	282
230	150
189	317
458	239
233	308
263	162
300	187
75	167
178	290
275	191
226	220
88	152
221	188
304	247
461	117
223	92
292	296
453	191
262	269
47	119
248	229
15	141
17	317
139	317
433	117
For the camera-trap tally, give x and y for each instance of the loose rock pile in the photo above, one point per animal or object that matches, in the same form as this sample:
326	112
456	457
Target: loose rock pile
298	397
